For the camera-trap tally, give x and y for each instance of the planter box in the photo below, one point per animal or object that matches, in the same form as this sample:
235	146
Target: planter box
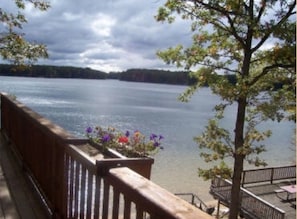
111	158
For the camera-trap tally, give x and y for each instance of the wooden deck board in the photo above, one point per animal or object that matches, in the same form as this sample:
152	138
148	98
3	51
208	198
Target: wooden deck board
7	206
17	198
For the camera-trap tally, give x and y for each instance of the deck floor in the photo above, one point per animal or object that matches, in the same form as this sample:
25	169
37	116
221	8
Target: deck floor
17	198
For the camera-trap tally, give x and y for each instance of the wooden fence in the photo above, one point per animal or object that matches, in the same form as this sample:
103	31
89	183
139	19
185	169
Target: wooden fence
268	174
251	205
75	186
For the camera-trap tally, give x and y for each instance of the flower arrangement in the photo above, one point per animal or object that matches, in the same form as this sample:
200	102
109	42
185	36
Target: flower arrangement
129	144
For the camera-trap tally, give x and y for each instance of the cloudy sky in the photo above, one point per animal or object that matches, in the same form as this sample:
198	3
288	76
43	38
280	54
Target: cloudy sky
107	35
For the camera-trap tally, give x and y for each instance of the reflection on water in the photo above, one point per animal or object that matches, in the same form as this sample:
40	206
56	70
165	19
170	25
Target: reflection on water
75	104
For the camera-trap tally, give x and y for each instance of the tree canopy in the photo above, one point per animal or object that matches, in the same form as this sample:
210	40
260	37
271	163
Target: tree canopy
256	41
14	46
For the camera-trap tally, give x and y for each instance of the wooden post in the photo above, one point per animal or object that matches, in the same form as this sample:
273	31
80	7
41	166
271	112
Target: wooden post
272	173
243	179
218	209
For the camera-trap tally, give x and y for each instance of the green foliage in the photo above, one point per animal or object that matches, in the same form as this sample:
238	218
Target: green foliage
228	38
13	44
217	170
216	144
256	42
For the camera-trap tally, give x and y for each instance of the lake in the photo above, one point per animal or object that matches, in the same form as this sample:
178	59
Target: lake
75	104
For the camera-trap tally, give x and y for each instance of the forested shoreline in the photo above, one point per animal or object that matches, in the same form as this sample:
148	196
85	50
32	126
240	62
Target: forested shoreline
133	75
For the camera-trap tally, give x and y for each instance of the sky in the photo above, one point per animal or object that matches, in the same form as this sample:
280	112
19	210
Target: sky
106	35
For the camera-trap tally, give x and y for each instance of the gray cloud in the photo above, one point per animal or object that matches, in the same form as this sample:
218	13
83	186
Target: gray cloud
111	35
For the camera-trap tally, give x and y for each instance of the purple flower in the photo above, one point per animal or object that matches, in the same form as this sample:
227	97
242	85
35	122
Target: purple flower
127	134
89	130
156	144
156	139
153	137
105	138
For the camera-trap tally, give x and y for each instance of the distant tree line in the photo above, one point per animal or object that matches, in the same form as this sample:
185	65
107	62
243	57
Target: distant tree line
135	75
47	71
156	76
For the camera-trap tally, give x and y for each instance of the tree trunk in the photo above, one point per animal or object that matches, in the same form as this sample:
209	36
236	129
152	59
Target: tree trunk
238	160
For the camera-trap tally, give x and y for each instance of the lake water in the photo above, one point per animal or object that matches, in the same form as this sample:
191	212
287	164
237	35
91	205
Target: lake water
75	104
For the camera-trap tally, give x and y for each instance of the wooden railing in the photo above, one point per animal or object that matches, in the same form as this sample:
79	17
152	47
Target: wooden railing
196	201
74	185
268	174
39	145
251	205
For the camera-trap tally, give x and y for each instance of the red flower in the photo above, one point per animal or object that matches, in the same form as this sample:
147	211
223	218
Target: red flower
123	139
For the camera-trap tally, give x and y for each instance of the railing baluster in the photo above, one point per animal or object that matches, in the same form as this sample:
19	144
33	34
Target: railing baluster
76	189
139	212
90	194
115	205
82	191
70	187
127	208
105	200
97	197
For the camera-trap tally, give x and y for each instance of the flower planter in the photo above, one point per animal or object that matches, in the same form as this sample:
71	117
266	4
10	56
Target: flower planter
109	158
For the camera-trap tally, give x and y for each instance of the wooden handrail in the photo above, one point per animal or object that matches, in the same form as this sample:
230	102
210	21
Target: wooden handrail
150	198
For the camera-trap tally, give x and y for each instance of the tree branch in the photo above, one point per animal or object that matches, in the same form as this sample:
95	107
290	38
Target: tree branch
227	14
261	11
284	18
267	69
